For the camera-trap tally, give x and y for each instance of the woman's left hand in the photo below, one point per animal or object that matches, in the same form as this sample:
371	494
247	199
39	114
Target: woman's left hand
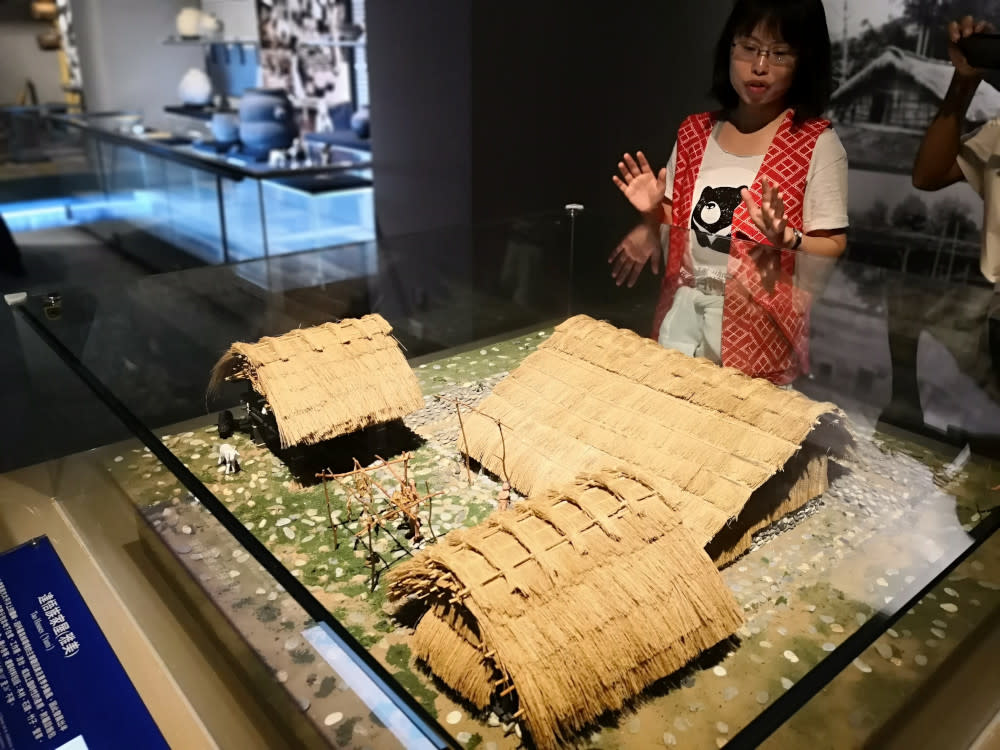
769	216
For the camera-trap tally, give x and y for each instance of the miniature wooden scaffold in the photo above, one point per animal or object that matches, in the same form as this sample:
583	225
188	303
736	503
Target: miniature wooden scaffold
380	507
503	496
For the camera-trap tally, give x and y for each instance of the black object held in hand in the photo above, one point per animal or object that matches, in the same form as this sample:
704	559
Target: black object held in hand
981	50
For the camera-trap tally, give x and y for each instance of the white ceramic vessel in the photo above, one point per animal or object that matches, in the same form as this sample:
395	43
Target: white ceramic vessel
189	22
209	24
195	88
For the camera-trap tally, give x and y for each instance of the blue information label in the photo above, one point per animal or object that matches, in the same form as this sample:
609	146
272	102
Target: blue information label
61	685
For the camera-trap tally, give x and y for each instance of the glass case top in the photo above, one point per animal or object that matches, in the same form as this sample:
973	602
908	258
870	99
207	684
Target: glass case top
847	477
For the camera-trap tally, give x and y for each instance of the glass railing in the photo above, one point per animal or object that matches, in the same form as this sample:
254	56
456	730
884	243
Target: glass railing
897	423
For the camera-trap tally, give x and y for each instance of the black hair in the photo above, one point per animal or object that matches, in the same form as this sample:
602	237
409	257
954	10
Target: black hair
800	23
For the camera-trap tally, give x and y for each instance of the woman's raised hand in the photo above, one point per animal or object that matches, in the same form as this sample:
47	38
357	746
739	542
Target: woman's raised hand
637	248
769	216
644	189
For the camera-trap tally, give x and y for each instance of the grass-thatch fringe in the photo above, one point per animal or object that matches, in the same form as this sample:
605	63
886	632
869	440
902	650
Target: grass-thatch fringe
328	380
578	599
595	396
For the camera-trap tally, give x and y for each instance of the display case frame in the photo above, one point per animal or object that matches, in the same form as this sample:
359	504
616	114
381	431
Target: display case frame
425	324
171	201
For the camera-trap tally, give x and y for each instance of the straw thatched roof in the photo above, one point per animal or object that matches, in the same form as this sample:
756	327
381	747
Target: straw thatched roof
934	76
595	396
577	599
328	380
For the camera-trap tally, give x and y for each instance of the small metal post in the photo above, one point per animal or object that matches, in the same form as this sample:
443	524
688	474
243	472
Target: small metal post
572	210
220	197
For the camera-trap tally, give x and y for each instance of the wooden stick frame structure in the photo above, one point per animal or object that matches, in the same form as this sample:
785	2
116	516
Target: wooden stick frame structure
403	503
503	497
461	426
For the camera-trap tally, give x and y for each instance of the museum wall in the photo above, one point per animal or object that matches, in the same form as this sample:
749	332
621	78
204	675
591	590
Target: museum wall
124	63
23	59
539	99
484	114
419	55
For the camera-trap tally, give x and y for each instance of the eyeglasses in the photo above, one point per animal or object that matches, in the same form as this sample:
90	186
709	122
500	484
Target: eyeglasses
747	51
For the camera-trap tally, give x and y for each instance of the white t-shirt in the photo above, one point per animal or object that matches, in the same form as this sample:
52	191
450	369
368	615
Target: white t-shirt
979	158
717	195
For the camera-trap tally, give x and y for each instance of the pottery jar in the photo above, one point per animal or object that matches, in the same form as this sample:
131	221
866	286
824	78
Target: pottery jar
267	121
189	22
225	127
209	24
195	88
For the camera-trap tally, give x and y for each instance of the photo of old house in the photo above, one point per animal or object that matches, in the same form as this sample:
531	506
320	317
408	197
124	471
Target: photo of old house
892	73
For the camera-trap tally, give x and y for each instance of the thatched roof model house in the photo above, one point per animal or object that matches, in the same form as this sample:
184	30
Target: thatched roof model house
328	380
727	451
578	599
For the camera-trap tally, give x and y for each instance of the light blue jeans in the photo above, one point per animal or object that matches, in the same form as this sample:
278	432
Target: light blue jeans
693	325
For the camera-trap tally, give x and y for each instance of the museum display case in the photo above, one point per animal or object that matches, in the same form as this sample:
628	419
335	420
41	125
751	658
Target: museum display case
154	192
805	550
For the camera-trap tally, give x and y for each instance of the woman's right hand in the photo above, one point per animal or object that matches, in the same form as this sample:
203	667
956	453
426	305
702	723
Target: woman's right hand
637	248
644	189
958	30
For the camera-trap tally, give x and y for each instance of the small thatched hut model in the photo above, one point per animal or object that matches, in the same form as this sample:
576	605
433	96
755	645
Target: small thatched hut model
328	380
708	438
577	599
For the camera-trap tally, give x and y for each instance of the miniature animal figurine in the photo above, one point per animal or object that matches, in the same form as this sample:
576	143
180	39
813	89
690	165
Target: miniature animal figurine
229	457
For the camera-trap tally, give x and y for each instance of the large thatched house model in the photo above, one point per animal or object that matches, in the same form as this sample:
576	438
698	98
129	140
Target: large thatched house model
328	380
576	599
729	452
645	470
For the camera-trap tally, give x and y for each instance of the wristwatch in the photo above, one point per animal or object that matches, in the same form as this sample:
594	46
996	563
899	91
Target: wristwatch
797	234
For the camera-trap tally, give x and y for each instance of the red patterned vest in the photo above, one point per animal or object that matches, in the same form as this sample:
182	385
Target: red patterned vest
765	333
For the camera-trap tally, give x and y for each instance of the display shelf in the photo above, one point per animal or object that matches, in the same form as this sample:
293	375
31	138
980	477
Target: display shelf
195	113
867	577
336	43
203	40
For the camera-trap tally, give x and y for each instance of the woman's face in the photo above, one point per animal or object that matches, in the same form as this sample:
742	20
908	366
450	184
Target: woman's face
761	67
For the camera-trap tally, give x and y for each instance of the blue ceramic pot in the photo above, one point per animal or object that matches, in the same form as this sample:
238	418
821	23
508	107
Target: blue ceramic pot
267	121
360	123
225	127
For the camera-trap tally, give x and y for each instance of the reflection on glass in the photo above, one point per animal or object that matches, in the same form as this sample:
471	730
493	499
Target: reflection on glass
468	307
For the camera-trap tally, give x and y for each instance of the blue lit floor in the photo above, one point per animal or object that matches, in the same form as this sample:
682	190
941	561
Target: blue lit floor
54	213
190	220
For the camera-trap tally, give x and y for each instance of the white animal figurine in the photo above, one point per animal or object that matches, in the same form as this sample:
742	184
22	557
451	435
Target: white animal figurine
230	457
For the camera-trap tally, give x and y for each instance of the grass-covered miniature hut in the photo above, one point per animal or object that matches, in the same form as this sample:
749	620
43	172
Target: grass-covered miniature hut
328	380
577	599
729	450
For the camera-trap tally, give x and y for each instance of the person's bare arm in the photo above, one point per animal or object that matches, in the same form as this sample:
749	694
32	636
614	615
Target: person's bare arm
828	243
936	165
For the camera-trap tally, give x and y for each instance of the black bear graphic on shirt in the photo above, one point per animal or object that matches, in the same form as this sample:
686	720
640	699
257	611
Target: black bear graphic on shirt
712	217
